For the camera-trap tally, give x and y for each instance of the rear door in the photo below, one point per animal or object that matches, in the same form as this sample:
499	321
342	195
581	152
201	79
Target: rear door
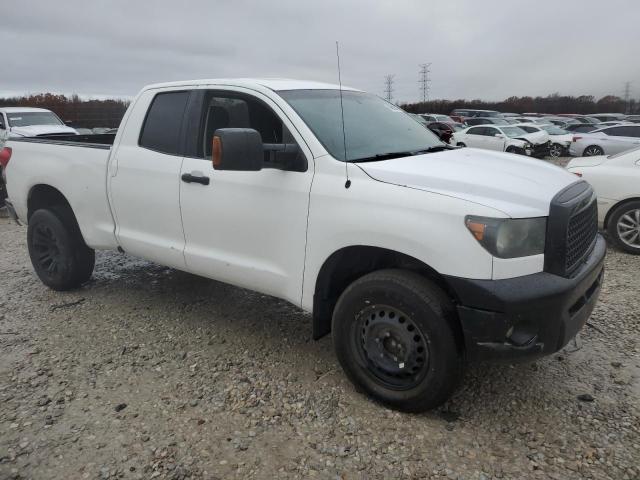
619	139
490	140
246	228
474	137
144	179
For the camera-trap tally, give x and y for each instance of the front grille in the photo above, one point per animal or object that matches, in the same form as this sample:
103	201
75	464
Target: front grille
572	228
581	233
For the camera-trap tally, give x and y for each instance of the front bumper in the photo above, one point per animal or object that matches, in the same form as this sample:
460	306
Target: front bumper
527	317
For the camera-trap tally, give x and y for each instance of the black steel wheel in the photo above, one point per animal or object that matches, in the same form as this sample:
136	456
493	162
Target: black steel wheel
58	253
393	346
395	337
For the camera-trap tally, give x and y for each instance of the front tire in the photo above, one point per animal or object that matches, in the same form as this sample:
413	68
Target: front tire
460	144
58	253
394	335
556	150
593	151
624	227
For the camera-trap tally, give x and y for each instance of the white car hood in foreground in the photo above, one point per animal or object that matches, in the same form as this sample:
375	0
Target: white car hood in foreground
35	130
516	185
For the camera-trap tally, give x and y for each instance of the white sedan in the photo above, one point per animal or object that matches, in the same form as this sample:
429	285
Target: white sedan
504	138
560	138
616	181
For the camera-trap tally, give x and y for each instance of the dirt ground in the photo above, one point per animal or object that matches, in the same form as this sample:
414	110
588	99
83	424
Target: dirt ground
148	372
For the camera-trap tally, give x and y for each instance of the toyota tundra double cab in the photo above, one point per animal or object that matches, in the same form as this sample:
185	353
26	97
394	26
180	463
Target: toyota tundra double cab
416	256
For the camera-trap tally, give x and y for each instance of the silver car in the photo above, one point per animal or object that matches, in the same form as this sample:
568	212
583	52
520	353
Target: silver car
605	141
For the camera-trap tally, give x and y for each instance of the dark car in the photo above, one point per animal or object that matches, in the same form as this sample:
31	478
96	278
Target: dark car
444	130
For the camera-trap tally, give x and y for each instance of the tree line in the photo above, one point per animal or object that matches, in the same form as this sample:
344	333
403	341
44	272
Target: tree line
73	110
555	103
78	112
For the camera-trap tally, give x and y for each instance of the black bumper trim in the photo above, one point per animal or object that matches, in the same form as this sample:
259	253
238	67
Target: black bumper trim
527	317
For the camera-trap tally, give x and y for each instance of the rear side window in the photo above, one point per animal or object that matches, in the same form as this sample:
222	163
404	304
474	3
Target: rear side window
161	129
475	131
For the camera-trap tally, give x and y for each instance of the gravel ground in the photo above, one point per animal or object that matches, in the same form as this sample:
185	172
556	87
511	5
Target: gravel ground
148	372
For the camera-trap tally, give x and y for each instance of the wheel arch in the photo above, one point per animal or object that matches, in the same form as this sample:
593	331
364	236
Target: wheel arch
42	196
348	264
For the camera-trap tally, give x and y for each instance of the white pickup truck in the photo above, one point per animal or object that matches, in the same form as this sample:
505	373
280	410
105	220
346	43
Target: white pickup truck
416	256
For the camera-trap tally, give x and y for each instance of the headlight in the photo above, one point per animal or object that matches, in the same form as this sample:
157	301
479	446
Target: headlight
508	237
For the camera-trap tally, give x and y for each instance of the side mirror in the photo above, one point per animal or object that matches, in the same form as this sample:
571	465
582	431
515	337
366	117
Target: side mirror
499	135
238	149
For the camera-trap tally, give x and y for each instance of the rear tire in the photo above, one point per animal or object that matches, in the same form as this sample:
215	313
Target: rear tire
624	227
593	151
395	337
59	255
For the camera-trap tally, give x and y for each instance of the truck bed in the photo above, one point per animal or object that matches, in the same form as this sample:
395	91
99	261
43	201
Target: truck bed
76	165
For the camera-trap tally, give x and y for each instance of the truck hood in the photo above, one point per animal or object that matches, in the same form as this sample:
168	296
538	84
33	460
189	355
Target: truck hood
35	130
516	185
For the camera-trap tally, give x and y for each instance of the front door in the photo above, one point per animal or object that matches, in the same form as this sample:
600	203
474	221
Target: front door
246	228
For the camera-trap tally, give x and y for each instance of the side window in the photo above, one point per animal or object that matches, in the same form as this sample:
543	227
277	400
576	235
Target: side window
229	110
490	131
161	129
2	122
613	131
631	131
475	131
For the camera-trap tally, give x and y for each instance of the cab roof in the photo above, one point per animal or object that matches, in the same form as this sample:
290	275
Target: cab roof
275	84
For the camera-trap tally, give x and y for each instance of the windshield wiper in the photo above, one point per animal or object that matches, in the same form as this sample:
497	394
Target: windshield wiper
408	153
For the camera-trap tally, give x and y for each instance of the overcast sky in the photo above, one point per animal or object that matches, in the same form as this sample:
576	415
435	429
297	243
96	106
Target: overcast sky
489	49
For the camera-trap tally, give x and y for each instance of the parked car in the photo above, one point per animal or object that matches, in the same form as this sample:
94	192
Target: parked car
580	127
416	256
443	130
561	122
493	137
587	119
605	141
486	121
436	117
469	112
536	120
535	134
607	117
560	139
632	118
31	122
616	181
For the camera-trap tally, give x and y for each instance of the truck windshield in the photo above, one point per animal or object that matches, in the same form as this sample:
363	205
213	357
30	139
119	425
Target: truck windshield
372	126
25	119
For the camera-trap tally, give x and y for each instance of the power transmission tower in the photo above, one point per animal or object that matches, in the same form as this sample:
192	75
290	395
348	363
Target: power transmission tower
627	97
424	80
388	87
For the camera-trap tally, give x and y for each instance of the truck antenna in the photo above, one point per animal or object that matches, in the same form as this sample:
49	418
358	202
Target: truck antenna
347	184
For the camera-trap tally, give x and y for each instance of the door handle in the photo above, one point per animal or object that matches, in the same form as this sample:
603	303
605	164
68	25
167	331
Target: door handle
188	178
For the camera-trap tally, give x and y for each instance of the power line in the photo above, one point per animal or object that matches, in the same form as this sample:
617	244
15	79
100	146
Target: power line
388	87
425	80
